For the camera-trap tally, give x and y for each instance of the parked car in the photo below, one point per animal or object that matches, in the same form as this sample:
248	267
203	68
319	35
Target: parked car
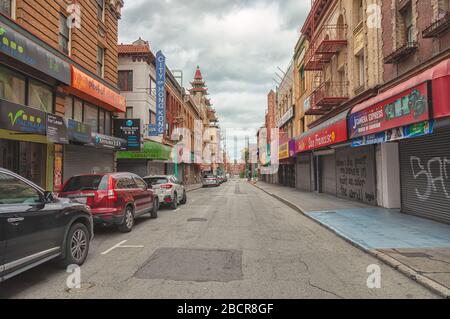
36	227
169	189
114	198
210	180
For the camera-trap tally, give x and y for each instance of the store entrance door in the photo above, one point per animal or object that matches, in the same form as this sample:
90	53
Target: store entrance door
24	158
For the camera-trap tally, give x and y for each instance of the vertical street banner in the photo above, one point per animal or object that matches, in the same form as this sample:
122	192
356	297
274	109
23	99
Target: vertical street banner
160	95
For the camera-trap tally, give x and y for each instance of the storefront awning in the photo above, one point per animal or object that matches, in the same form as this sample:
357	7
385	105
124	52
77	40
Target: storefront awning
438	76
331	132
151	151
95	92
23	46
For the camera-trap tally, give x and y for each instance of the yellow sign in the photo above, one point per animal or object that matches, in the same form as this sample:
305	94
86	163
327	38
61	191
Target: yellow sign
283	151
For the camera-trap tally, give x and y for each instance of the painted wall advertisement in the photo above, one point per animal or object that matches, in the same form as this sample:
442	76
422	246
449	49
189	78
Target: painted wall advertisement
160	96
406	108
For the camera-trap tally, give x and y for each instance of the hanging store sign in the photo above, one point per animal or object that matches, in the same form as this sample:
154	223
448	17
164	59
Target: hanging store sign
93	88
79	132
286	117
20	46
283	151
109	142
331	132
406	108
56	129
129	130
160	93
20	118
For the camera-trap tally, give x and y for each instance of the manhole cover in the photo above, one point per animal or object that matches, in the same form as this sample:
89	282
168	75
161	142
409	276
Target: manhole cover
202	220
200	265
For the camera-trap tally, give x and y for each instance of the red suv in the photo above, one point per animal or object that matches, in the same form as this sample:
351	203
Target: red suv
114	198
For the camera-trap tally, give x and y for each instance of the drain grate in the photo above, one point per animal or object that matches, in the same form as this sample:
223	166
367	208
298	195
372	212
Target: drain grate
201	220
201	265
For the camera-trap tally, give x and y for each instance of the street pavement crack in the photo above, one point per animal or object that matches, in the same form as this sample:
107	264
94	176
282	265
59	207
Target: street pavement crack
324	290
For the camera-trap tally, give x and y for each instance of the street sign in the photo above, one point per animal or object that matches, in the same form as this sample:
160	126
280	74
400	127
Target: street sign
160	93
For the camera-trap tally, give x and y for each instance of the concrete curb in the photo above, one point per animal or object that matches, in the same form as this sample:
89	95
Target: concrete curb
194	189
388	260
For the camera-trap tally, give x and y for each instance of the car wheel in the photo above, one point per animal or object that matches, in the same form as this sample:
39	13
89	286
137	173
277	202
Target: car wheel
128	221
174	204
77	246
154	212
184	200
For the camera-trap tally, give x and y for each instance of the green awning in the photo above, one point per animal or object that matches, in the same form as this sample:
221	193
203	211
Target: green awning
151	151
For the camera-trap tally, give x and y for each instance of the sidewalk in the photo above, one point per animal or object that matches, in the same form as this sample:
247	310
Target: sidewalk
417	247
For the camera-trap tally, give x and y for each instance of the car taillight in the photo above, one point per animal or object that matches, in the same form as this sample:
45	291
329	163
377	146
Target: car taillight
166	186
112	195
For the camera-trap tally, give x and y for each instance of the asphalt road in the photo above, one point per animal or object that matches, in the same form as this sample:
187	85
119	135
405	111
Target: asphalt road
229	242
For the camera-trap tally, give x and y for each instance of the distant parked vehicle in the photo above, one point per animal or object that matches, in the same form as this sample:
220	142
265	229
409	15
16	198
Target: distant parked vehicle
114	198
36	227
169	190
210	180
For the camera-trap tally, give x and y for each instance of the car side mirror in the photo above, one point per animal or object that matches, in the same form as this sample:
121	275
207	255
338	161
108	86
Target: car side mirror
49	197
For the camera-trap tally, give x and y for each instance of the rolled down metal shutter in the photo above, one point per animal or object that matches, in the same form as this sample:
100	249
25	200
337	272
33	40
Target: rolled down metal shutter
328	174
304	173
425	176
86	160
138	167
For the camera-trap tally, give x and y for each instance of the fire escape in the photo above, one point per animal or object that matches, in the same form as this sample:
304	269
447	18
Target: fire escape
327	94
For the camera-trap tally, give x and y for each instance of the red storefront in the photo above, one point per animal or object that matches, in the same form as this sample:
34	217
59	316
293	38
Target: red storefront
415	115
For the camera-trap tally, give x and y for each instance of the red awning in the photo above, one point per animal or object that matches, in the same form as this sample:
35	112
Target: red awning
330	132
440	77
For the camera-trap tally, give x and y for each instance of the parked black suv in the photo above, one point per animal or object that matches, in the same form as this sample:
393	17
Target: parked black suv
36	226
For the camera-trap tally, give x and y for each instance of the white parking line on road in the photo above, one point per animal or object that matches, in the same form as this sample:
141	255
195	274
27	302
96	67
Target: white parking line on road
120	245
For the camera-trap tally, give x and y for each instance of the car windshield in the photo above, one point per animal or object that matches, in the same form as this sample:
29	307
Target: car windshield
86	183
209	176
156	180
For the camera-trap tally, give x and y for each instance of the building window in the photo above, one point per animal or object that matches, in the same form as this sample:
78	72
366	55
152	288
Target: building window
302	80
152	119
40	96
152	87
101	10
101	121
108	126
12	86
68	107
7	7
78	110
361	69
90	116
64	35
409	26
100	61
126	80
129	112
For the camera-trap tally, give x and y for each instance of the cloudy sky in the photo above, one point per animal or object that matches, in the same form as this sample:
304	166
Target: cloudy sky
238	44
